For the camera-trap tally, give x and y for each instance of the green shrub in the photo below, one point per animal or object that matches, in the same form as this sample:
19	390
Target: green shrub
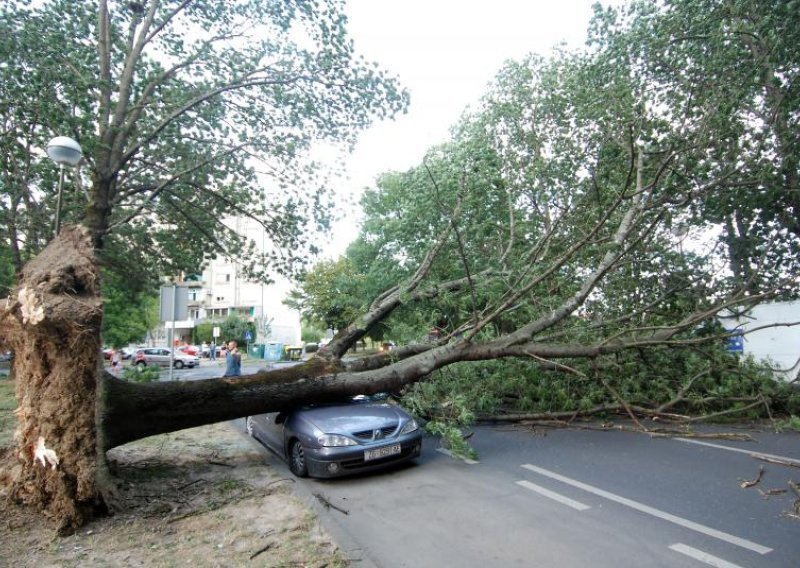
141	373
790	423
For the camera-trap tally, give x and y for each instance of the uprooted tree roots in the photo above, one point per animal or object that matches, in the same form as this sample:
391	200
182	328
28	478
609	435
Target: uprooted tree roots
53	326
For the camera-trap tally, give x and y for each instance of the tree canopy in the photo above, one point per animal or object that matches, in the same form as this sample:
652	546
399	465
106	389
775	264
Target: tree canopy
188	113
644	178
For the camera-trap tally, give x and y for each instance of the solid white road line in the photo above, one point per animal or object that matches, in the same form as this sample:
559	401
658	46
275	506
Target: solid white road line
744	543
552	495
703	557
741	450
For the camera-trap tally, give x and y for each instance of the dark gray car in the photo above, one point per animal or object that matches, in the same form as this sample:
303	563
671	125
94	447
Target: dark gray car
332	440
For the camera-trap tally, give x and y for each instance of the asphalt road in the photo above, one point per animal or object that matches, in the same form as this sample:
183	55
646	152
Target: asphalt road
565	498
571	498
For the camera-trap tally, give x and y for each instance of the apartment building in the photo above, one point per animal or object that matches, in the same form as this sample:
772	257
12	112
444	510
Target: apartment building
223	290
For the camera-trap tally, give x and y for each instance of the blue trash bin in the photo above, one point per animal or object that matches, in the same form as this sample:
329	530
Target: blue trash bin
273	351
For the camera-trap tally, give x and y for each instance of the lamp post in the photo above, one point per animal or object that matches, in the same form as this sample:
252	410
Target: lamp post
64	151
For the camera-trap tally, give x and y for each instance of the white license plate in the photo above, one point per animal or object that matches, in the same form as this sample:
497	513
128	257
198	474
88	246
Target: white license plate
383	452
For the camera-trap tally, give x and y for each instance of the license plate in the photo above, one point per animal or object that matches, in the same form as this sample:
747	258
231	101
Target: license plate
383	452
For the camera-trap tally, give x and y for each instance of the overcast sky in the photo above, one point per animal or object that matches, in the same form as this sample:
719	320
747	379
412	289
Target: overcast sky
445	52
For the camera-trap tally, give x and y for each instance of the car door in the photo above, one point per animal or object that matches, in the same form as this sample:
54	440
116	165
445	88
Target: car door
162	357
150	356
271	426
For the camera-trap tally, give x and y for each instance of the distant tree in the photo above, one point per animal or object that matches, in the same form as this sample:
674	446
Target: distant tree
726	74
235	328
327	296
311	334
127	318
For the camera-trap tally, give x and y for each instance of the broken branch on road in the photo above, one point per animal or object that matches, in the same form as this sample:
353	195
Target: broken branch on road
328	505
750	483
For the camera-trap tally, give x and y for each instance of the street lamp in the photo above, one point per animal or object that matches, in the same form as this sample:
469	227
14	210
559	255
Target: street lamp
64	151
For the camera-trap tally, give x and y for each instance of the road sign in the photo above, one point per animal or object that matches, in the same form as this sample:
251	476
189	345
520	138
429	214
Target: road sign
248	336
174	303
735	342
215	332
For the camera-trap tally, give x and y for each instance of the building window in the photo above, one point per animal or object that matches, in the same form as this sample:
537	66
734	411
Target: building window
217	313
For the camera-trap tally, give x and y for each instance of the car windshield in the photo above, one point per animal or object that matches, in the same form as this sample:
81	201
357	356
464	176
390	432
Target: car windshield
357	399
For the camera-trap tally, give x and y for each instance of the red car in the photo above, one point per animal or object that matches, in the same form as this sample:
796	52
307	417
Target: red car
189	350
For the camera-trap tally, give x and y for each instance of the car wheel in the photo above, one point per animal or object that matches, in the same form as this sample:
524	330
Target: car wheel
248	426
179	364
297	459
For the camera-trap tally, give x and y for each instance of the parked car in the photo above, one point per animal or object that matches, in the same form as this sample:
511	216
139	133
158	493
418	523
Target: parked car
6	356
331	440
160	356
125	353
189	350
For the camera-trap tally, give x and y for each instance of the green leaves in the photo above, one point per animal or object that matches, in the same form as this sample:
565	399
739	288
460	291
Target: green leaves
189	114
328	295
128	315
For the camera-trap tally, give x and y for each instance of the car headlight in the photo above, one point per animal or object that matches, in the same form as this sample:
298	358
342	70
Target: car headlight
335	440
409	426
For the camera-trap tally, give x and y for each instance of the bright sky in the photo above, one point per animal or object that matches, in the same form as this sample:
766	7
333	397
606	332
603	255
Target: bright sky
445	52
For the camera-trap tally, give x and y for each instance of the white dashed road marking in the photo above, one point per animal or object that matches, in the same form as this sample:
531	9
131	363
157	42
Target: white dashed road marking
680	521
553	495
703	557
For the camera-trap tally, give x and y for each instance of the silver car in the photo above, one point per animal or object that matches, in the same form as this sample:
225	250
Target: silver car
160	356
331	440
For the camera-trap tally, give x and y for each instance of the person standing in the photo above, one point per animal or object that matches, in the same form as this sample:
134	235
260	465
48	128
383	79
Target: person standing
116	362
212	351
233	361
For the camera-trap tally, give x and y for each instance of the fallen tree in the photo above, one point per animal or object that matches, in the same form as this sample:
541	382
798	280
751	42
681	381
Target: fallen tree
544	232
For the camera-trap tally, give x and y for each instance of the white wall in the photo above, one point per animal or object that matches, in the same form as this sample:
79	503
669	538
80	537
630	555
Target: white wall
780	344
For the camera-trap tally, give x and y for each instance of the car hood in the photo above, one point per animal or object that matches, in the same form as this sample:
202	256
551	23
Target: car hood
349	418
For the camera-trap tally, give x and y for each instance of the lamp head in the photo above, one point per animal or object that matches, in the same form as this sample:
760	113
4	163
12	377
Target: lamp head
64	151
